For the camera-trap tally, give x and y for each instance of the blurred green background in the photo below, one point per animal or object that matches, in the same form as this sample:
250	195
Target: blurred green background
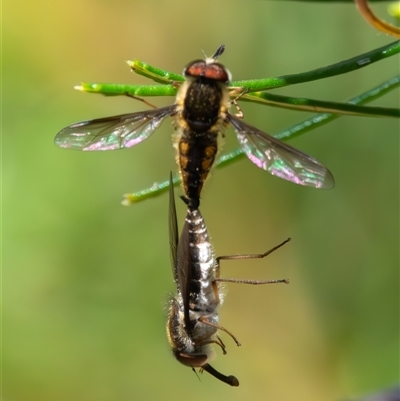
86	280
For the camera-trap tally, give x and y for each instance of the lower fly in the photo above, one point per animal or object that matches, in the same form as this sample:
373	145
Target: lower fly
193	320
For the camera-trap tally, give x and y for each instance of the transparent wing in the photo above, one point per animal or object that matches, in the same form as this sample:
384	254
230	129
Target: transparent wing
118	132
274	156
184	271
173	229
180	253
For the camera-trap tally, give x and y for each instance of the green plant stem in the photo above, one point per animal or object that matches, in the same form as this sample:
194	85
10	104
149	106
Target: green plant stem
256	88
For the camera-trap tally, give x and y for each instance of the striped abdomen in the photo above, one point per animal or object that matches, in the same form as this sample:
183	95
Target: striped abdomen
196	156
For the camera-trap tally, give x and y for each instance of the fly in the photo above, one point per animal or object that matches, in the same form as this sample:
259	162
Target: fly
200	117
193	320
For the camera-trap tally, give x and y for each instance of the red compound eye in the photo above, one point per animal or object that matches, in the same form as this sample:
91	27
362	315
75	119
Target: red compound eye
195	69
215	71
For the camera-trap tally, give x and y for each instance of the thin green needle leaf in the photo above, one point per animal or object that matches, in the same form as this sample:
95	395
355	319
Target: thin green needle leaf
343	67
321	119
313	105
154	190
292	132
124	90
156	74
253	85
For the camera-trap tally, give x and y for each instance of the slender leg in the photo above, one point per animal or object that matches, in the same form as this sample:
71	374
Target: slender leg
237	93
253	282
141	100
203	320
249	256
218	342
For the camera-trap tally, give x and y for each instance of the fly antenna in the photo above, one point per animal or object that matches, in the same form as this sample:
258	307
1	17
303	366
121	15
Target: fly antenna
218	52
214	57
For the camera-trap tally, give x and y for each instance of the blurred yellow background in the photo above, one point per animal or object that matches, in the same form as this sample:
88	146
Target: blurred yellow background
86	280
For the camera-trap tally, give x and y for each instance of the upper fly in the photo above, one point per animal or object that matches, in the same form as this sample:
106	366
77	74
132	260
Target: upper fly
200	116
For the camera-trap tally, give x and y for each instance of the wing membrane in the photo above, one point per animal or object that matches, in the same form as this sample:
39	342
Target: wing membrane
180	253
184	270
110	133
173	229
279	159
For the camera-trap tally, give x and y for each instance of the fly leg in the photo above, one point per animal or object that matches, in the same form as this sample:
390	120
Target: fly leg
218	342
203	320
141	100
249	256
236	93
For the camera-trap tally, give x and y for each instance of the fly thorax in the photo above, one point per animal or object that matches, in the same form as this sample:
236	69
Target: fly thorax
202	103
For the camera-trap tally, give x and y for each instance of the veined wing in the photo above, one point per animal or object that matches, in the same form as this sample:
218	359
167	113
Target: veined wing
274	156
110	133
173	229
184	270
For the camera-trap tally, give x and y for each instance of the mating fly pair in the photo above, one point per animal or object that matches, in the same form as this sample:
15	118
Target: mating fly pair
193	319
200	116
